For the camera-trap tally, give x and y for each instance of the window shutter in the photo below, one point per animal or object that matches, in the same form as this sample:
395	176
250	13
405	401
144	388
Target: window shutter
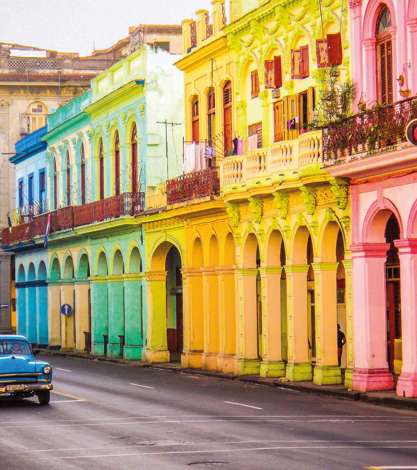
311	103
322	53
390	86
293	75
277	72
254	83
383	74
334	48
304	62
269	74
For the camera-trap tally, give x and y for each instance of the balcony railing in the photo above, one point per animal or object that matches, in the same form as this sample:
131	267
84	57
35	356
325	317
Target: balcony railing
195	185
269	162
68	218
374	131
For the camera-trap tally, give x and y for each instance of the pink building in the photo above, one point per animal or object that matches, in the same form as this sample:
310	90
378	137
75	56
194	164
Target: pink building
370	150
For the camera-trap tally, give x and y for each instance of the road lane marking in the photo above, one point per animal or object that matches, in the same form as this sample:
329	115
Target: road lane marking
72	398
220	451
242	404
63	370
141	386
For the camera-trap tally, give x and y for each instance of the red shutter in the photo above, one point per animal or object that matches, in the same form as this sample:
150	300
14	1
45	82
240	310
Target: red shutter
334	47
277	72
254	83
269	74
305	70
322	53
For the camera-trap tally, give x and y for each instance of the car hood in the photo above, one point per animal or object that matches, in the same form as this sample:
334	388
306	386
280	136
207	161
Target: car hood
20	364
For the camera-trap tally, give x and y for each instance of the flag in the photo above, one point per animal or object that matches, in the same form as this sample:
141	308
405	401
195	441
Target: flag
9	222
47	230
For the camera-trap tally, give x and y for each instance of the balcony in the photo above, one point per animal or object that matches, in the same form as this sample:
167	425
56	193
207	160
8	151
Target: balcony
195	185
71	217
369	133
269	163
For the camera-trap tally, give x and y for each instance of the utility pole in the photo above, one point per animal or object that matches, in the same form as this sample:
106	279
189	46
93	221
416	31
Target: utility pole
167	123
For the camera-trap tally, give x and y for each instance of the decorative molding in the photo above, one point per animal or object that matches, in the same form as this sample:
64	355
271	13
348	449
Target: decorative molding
309	198
282	203
341	193
233	212
256	207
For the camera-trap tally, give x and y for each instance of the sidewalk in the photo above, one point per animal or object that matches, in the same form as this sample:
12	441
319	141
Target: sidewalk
388	398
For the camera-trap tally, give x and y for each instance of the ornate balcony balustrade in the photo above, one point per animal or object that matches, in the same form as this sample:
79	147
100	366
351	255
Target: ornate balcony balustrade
195	185
282	156
68	218
371	132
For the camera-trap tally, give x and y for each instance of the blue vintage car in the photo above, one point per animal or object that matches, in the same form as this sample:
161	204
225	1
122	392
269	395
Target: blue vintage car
21	374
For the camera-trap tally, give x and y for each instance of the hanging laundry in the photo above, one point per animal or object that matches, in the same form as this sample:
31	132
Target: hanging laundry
189	157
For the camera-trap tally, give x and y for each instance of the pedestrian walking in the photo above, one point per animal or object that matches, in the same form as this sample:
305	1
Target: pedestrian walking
341	341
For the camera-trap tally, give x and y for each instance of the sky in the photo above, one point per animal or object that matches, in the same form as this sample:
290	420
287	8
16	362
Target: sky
80	25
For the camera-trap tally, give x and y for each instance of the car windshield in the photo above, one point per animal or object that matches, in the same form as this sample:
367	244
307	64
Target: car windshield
14	346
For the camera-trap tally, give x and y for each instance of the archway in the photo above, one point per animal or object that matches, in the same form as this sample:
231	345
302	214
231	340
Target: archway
32	309
42	295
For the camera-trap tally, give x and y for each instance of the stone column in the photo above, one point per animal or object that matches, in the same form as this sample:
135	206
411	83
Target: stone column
247	351
412	73
347	263
227	319
116	315
21	311
369	79
186	35
54	316
407	382
133	285
31	318
157	349
299	365
326	370
211	318
202	21
369	318
356	44
82	313
68	322
272	364
193	318
99	314
265	97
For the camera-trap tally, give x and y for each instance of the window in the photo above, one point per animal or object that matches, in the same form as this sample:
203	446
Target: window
195	115
116	164
55	176
254	81
256	130
300	63
329	51
165	46
82	174
35	117
20	193
134	145
30	189
211	114
384	57
101	169
68	177
227	118
273	73
42	190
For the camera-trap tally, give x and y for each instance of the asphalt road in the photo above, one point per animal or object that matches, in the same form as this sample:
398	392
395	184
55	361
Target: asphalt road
108	416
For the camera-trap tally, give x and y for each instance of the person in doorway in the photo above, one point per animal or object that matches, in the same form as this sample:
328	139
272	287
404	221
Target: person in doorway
341	341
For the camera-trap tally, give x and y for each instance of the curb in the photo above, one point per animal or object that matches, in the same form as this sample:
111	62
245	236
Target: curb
341	394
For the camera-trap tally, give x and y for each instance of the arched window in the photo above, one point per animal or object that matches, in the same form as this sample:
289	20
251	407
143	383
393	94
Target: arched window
134	149
55	176
116	164
82	174
68	173
195	113
211	114
227	118
384	56
101	169
35	117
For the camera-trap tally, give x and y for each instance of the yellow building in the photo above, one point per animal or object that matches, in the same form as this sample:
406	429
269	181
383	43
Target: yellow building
254	278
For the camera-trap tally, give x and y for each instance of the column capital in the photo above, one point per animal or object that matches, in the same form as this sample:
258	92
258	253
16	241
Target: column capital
156	276
412	24
369	250
296	268
408	246
369	44
323	266
355	4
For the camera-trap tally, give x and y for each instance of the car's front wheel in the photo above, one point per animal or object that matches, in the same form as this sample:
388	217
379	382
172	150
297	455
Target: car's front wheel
44	397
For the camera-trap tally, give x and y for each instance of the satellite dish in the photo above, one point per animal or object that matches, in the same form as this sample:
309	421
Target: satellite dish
411	132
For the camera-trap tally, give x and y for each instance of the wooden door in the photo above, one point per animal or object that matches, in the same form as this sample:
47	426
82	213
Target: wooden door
278	121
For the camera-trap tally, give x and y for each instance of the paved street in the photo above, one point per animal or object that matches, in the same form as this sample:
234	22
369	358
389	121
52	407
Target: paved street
106	416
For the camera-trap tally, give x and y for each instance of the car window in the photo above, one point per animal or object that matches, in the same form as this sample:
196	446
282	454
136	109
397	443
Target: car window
14	346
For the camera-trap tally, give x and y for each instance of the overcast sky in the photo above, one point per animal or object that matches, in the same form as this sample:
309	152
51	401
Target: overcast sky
77	25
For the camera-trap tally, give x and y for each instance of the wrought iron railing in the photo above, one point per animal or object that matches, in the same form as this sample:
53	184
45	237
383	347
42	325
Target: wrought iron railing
195	185
374	131
68	218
